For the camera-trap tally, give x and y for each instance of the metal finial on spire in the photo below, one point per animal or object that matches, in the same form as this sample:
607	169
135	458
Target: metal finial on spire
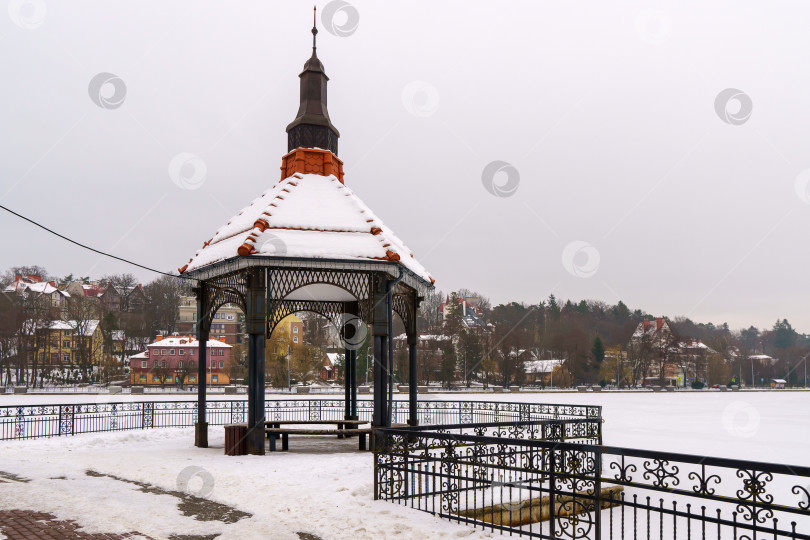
314	26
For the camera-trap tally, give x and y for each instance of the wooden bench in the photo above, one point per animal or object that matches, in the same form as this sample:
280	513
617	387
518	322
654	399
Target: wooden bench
273	432
341	424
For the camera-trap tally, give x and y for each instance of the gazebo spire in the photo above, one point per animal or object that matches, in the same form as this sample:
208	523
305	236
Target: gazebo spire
312	127
314	28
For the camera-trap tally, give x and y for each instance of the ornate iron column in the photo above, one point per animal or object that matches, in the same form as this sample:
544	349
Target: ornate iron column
203	329
413	342
353	375
256	327
413	418
350	358
379	324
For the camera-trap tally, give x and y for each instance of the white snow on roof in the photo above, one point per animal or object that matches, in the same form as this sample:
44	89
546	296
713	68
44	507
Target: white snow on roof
310	216
541	366
42	287
334	357
184	341
89	326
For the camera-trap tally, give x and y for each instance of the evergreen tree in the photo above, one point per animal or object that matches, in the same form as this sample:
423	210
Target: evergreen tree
447	368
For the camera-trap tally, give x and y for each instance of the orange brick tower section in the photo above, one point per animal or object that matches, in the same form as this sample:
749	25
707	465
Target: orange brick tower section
311	161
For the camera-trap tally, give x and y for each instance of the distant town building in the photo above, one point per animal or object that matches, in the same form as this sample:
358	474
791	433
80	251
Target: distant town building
227	325
34	285
66	344
174	360
654	345
329	368
109	297
471	313
541	371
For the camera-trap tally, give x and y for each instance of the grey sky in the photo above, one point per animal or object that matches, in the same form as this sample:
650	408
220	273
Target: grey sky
605	109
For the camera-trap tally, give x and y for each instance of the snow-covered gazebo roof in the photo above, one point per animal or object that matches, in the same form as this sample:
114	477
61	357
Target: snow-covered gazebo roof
307	216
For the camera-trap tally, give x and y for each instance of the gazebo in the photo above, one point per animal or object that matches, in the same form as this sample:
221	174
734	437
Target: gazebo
308	243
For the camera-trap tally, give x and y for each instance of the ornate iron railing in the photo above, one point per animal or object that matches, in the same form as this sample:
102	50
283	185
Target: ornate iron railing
522	479
35	421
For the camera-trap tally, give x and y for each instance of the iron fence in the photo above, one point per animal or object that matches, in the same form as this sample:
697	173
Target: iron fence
107	414
548	479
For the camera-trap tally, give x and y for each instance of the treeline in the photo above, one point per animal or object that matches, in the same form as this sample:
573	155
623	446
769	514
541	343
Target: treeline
592	339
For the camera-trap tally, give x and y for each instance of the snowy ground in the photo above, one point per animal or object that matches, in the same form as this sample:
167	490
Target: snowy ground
324	486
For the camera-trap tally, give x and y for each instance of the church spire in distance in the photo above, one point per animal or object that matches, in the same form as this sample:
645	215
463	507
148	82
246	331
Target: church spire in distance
312	127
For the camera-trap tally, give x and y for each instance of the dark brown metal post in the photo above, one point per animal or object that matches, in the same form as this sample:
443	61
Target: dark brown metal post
353	385
201	426
413	418
256	312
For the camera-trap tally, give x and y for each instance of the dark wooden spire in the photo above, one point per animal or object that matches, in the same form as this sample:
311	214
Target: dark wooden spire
312	127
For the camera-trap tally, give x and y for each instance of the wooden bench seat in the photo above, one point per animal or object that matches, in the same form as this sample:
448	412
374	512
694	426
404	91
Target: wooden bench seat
286	432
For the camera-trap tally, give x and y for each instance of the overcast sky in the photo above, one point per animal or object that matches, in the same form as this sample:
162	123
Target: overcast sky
626	172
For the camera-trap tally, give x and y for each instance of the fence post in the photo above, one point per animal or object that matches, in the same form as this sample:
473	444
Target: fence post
375	449
552	492
597	485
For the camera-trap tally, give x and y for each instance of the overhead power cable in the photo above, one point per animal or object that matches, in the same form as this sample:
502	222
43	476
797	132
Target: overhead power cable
94	250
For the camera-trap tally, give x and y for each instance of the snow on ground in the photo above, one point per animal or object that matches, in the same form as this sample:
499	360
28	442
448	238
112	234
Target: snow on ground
323	486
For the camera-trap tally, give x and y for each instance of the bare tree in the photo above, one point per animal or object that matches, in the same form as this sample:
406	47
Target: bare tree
82	312
161	372
184	369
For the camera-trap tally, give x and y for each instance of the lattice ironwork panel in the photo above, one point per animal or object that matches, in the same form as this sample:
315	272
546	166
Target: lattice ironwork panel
402	307
333	311
227	289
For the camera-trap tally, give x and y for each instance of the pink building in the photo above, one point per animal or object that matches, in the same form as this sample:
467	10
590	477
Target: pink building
174	360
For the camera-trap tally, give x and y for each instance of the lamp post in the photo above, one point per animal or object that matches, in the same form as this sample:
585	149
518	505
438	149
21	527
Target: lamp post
753	381
367	355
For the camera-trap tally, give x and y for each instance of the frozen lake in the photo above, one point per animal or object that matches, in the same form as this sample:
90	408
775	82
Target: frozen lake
324	486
